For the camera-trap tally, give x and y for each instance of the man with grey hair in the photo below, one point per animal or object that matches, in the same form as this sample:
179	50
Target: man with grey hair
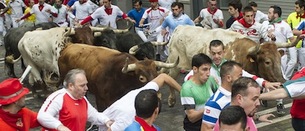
68	109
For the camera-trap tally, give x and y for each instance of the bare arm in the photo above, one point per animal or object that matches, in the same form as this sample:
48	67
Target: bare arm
194	115
206	127
275	94
141	22
166	79
198	19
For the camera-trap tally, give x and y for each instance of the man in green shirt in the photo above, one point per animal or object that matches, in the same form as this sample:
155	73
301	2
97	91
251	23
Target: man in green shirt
196	91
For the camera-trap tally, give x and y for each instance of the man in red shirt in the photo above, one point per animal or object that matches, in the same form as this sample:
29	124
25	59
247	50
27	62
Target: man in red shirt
13	115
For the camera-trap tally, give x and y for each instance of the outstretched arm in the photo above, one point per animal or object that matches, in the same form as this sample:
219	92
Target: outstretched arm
166	79
275	94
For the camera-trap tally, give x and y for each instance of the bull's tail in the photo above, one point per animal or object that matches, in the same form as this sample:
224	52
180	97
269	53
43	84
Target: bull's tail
10	59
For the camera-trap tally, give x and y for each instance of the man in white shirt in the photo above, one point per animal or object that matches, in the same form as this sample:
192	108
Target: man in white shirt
61	10
259	16
82	10
212	16
16	11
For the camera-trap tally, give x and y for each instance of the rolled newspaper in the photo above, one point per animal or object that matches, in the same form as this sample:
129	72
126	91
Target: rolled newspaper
25	73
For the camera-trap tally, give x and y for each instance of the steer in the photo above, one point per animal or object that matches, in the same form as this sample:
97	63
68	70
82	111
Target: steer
40	49
11	40
185	44
110	73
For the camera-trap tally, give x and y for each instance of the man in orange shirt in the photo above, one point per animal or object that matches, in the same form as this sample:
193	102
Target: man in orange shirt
13	113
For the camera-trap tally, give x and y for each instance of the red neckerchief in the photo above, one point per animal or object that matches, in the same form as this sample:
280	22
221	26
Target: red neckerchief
212	12
40	7
239	17
14	120
301	16
244	23
145	126
108	11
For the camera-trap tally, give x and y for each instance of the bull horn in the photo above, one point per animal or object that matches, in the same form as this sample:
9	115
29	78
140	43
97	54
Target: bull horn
159	43
167	65
10	59
97	29
128	67
69	31
118	31
96	34
133	50
253	50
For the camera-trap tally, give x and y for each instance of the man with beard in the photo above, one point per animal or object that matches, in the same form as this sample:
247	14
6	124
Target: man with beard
43	12
211	15
13	113
172	21
61	10
245	93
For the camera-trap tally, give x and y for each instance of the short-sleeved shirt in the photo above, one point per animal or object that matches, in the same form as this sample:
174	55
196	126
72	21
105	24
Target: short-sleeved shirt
281	30
42	15
217	102
172	22
154	16
295	88
205	14
61	14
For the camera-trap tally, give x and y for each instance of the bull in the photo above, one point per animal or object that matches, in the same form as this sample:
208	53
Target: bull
185	44
110	73
11	40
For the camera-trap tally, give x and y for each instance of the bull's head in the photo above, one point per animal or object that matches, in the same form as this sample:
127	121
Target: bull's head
267	61
141	67
142	51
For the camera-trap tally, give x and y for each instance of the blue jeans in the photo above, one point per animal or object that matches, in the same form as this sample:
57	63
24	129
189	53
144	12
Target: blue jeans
298	124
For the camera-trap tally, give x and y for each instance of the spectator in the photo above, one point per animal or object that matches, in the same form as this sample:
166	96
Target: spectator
211	15
123	111
147	109
248	27
43	12
68	108
233	118
234	10
106	14
13	113
196	91
136	15
259	16
245	93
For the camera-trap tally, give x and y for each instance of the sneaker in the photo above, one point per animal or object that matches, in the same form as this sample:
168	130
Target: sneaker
280	109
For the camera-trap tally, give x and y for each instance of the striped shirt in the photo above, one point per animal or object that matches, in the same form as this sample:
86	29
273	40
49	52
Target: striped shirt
215	104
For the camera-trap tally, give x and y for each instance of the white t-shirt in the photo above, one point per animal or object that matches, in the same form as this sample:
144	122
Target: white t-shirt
166	3
82	10
123	111
16	7
281	30
106	19
204	14
154	16
260	17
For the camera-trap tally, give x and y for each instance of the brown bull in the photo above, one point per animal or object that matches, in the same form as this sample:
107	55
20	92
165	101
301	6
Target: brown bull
110	73
263	60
